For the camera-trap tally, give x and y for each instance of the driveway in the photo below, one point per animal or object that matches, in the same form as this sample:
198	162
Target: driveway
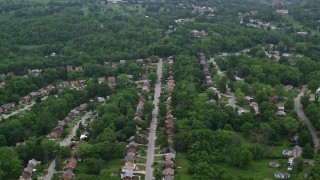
153	125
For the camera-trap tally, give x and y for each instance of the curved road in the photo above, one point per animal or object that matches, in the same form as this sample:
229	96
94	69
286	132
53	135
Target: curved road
153	125
66	142
303	117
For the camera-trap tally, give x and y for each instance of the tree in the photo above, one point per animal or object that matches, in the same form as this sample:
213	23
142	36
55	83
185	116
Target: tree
105	174
291	125
297	164
93	165
308	151
240	96
10	164
223	84
153	76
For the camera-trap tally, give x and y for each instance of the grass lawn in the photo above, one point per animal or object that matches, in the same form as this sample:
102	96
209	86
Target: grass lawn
142	160
114	165
158	151
184	163
203	97
158	158
259	170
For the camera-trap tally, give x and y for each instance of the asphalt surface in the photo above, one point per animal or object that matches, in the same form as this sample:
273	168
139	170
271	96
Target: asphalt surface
153	125
66	142
303	117
6	116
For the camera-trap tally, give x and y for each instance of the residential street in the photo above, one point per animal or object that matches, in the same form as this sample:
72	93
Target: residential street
51	170
153	125
303	117
66	142
6	116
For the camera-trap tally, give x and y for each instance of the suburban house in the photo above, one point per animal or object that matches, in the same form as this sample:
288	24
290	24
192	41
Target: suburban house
101	80
297	151
273	99
133	144
7	107
78	69
145	88
248	99
114	64
169	156
24	99
3	85
211	101
131	152
101	99
168	172
281	175
199	34
111	81
168	164
68	173
31	167
69	68
35	94
255	107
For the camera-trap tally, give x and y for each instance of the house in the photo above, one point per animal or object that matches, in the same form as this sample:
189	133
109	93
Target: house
297	151
68	119
69	68
101	80
294	138
288	87
35	72
78	69
212	101
169	156
302	33
82	82
3	85
74	83
111	81
248	99
2	76
24	99
34	94
199	34
74	112
133	144
145	88
126	174
168	172
68	174
273	99
31	167
281	175
131	152
10	74
281	114
168	164
282	11
114	64
71	164
122	61
139	60
101	100
129	159
8	106
290	161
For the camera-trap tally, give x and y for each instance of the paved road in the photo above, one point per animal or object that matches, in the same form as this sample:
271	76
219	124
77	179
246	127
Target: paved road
73	133
303	117
66	142
51	170
153	125
6	116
